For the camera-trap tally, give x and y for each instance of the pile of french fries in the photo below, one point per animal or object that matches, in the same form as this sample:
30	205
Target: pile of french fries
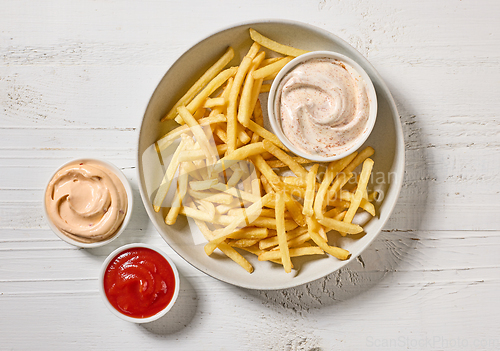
238	182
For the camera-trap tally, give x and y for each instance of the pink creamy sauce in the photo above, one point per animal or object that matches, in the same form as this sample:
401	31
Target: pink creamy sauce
324	107
86	202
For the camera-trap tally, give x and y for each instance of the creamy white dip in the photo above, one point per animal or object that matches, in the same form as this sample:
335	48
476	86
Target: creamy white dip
323	106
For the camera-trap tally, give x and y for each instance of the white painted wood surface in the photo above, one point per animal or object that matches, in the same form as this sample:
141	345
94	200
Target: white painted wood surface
75	77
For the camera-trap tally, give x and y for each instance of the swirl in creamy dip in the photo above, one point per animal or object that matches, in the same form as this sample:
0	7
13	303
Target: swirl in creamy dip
324	106
86	202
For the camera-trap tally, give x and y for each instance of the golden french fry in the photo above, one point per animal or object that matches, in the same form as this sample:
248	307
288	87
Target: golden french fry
246	108
339	182
237	193
275	46
333	169
295	209
273	241
280	229
342	227
202	184
167	179
214	102
201	138
220	198
314	228
265	134
358	195
239	154
267	171
241	243
272	68
285	158
251	211
191	155
232	121
279	164
182	184
310	191
175	134
294	252
201	82
363	155
212	86
266	185
265	88
347	196
235	256
207	233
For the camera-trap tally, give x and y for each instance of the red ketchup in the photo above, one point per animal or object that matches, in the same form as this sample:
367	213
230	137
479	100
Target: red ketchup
139	282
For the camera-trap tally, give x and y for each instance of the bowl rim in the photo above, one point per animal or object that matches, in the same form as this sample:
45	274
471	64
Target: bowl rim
273	108
128	215
104	297
399	156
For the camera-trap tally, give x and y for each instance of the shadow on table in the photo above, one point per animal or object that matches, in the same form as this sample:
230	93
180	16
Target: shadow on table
179	316
387	251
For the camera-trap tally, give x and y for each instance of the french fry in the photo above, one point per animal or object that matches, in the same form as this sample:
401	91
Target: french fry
199	134
358	195
240	154
212	86
273	241
294	252
202	184
241	243
285	158
310	191
314	228
237	193
295	210
182	184
265	134
232	121
265	88
214	102
235	256
220	198
246	107
201	82
191	155
251	211
359	159
272	68
279	164
364	204
167	179
175	134
275	46
267	171
333	169
280	229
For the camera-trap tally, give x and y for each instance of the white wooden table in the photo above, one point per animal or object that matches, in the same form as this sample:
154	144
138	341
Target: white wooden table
75	78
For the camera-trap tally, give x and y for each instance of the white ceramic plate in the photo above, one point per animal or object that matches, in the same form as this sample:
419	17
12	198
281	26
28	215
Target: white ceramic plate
386	138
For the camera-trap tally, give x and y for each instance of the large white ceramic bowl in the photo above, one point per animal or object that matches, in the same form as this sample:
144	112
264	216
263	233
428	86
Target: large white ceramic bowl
386	138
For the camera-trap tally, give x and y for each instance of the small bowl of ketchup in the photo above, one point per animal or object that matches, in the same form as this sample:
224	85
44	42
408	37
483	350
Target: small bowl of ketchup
139	283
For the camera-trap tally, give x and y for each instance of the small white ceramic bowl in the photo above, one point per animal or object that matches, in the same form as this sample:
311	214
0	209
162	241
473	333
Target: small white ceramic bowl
273	104
118	313
124	224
